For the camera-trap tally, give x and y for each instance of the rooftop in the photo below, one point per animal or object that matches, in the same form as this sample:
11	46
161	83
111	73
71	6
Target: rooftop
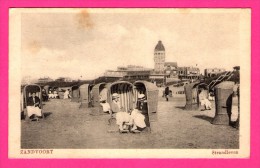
159	46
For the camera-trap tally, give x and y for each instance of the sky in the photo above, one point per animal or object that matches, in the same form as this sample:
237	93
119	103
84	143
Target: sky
84	44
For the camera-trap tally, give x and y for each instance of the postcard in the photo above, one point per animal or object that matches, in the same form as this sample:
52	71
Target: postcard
129	82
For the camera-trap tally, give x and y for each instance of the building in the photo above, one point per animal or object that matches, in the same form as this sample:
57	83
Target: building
44	80
159	58
158	74
64	79
164	72
129	72
211	72
171	72
188	73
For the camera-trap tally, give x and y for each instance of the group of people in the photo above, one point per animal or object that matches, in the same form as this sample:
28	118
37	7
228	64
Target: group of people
34	106
132	120
53	94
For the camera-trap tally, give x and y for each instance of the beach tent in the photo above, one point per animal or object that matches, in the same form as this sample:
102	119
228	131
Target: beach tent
99	93
193	92
85	96
151	93
75	95
223	102
27	90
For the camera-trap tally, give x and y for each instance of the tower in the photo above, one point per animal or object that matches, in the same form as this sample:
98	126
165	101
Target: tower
159	58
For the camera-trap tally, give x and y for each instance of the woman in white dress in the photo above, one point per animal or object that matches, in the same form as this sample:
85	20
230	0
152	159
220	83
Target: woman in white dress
66	94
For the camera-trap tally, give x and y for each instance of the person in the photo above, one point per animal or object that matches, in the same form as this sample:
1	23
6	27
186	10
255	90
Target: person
137	121
115	105
204	100
142	106
166	93
66	94
105	105
122	117
55	94
122	120
33	107
44	95
211	96
51	94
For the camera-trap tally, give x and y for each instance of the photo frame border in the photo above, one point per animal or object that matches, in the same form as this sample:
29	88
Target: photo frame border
253	161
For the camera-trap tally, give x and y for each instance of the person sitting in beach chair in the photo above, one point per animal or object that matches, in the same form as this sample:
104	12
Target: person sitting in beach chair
137	121
105	105
33	107
122	120
122	117
211	96
115	105
204	100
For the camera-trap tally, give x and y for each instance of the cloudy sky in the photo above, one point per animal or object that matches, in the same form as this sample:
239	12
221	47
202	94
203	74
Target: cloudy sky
86	43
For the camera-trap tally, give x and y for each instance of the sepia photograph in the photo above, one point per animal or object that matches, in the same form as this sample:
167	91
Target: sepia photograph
129	82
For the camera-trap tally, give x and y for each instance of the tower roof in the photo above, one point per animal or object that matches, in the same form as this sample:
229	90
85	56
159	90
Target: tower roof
159	46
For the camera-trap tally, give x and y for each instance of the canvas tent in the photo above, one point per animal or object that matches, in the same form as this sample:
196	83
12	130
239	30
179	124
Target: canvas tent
28	89
85	96
151	93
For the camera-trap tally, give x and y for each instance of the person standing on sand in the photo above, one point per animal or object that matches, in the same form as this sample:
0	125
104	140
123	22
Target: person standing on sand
166	93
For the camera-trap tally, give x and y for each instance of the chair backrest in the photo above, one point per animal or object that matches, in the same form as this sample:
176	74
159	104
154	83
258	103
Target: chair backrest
28	89
125	91
151	93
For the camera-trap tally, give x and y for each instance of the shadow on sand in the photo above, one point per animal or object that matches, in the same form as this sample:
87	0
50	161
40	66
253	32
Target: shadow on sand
46	114
204	117
180	107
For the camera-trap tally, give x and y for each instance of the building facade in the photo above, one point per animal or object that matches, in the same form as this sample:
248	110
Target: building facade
129	72
211	72
64	79
164	72
171	72
188	73
45	80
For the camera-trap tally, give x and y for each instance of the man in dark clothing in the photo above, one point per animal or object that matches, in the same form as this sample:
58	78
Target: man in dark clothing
33	101
33	107
166	92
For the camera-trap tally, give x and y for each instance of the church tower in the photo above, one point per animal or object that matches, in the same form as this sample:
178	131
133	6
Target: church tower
159	58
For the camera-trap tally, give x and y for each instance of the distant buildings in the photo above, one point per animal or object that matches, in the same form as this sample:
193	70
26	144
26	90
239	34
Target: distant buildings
188	73
211	72
44	80
171	72
129	72
163	72
64	79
